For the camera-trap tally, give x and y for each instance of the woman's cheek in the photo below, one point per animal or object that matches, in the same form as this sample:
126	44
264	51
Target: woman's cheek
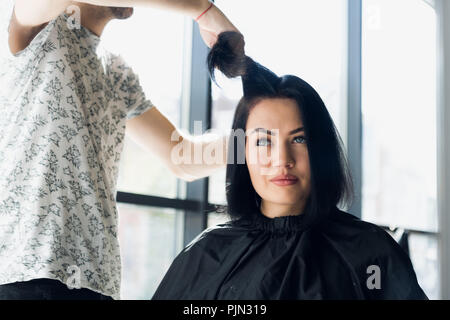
259	177
264	157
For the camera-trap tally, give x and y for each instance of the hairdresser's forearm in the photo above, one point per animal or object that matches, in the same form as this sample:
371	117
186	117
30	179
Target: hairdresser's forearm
198	157
191	8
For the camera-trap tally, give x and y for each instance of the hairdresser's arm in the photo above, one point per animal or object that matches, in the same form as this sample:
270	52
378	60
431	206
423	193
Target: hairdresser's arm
211	24
30	16
189	158
37	12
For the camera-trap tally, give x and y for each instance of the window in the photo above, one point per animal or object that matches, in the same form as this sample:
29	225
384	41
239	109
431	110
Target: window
150	237
424	256
159	64
399	88
399	125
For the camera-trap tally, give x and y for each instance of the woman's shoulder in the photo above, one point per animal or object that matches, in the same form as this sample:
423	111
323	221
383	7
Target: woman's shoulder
355	235
343	223
368	247
364	243
223	233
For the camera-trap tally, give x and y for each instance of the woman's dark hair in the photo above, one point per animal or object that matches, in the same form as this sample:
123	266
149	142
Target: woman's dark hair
331	182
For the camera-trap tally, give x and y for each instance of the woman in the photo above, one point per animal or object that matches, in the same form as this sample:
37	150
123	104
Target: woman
286	239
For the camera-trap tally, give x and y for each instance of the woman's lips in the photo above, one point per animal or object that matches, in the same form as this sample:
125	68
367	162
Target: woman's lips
284	180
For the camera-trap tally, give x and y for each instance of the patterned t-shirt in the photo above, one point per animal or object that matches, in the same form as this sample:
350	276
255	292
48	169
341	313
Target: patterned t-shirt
64	103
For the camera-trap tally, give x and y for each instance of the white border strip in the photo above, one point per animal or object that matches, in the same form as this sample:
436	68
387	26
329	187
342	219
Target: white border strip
443	144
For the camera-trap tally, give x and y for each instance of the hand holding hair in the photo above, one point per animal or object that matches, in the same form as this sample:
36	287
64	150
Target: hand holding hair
211	23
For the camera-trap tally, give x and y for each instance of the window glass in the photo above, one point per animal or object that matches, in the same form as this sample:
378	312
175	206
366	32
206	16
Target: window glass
424	256
150	238
399	125
159	64
399	114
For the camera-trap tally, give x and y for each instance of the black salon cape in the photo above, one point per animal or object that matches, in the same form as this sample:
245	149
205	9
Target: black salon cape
279	259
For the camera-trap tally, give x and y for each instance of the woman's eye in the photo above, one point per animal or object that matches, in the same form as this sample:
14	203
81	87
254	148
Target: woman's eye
263	142
299	139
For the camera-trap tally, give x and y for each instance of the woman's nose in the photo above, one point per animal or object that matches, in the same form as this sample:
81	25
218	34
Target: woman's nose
283	158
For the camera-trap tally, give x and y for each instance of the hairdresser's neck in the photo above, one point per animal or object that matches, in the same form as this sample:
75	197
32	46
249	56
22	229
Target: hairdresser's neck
94	21
274	210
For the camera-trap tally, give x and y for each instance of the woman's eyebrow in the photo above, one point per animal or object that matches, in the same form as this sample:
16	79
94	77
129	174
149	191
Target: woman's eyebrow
297	130
262	130
268	132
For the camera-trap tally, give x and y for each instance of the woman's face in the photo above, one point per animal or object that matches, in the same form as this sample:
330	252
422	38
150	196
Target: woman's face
277	156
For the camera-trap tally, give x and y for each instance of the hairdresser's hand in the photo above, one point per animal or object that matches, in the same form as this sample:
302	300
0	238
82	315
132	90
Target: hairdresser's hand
212	23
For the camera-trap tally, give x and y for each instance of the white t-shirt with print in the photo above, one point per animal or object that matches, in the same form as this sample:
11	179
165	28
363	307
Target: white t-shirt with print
64	103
